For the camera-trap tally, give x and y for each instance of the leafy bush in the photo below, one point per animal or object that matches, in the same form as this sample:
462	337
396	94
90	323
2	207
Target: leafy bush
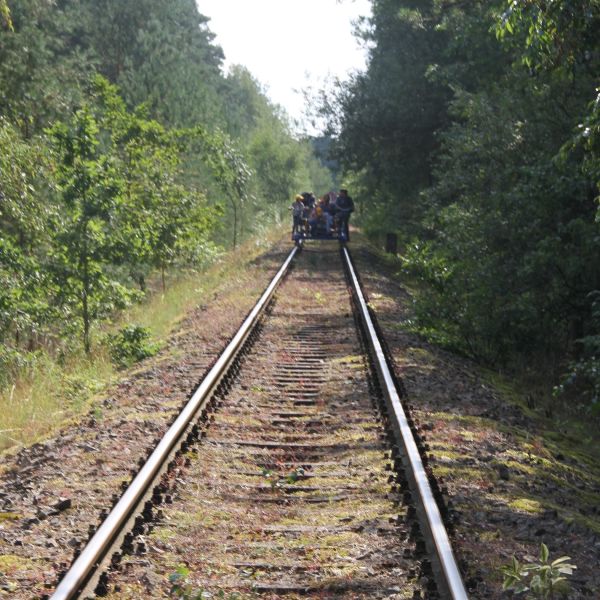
130	345
543	579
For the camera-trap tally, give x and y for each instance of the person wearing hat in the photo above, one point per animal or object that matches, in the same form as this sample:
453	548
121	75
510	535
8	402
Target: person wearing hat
344	206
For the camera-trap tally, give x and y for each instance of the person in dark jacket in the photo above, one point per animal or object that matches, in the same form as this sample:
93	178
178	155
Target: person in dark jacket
309	200
344	206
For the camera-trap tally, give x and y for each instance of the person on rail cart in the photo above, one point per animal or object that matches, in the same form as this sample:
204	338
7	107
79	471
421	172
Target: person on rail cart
309	200
316	221
344	206
297	209
327	213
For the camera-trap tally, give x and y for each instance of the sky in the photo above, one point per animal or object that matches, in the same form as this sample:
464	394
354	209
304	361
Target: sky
288	44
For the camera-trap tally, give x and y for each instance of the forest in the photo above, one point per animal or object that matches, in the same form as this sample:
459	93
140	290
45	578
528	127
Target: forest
145	191
474	136
126	152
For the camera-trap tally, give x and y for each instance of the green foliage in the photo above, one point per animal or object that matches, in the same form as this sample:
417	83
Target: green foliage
90	192
42	66
11	362
474	131
562	38
123	205
130	345
5	14
160	55
586	141
543	579
556	33
233	176
25	219
101	187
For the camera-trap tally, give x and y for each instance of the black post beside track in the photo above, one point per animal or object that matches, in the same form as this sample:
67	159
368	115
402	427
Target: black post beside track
447	575
85	568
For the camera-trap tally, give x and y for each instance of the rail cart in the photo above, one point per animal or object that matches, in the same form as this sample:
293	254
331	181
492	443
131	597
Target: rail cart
318	232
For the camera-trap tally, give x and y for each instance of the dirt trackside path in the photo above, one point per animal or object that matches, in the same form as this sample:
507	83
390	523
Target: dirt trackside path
512	484
52	492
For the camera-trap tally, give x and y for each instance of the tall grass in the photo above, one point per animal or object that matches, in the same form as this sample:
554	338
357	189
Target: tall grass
55	387
49	390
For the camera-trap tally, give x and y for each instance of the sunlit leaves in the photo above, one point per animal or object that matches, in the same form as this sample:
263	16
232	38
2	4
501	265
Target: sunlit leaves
559	32
544	579
6	21
25	218
123	204
127	190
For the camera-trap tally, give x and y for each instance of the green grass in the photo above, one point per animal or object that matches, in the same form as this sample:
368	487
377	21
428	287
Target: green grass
58	386
49	392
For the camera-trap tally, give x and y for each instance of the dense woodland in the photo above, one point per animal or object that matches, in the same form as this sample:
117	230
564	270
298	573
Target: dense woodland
126	152
474	134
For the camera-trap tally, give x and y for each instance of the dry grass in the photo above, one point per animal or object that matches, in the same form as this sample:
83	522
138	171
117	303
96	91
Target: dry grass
49	392
54	389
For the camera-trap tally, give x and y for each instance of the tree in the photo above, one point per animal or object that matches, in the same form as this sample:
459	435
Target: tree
150	175
232	174
388	116
475	130
25	223
90	186
41	73
160	54
562	37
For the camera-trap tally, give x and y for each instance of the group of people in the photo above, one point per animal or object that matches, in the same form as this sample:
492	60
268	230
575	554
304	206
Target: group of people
322	217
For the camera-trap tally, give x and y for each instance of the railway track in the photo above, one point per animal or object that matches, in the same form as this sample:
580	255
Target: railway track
291	471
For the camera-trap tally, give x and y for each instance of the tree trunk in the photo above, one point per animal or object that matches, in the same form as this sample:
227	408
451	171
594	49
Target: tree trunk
85	312
85	292
234	224
242	223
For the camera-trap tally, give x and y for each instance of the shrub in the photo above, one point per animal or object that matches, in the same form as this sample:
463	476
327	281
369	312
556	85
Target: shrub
130	345
543	579
13	362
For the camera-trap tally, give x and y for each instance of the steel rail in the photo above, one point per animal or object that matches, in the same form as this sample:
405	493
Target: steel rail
448	578
96	550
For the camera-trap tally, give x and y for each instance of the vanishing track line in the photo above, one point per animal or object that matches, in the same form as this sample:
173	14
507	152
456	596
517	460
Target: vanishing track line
285	484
